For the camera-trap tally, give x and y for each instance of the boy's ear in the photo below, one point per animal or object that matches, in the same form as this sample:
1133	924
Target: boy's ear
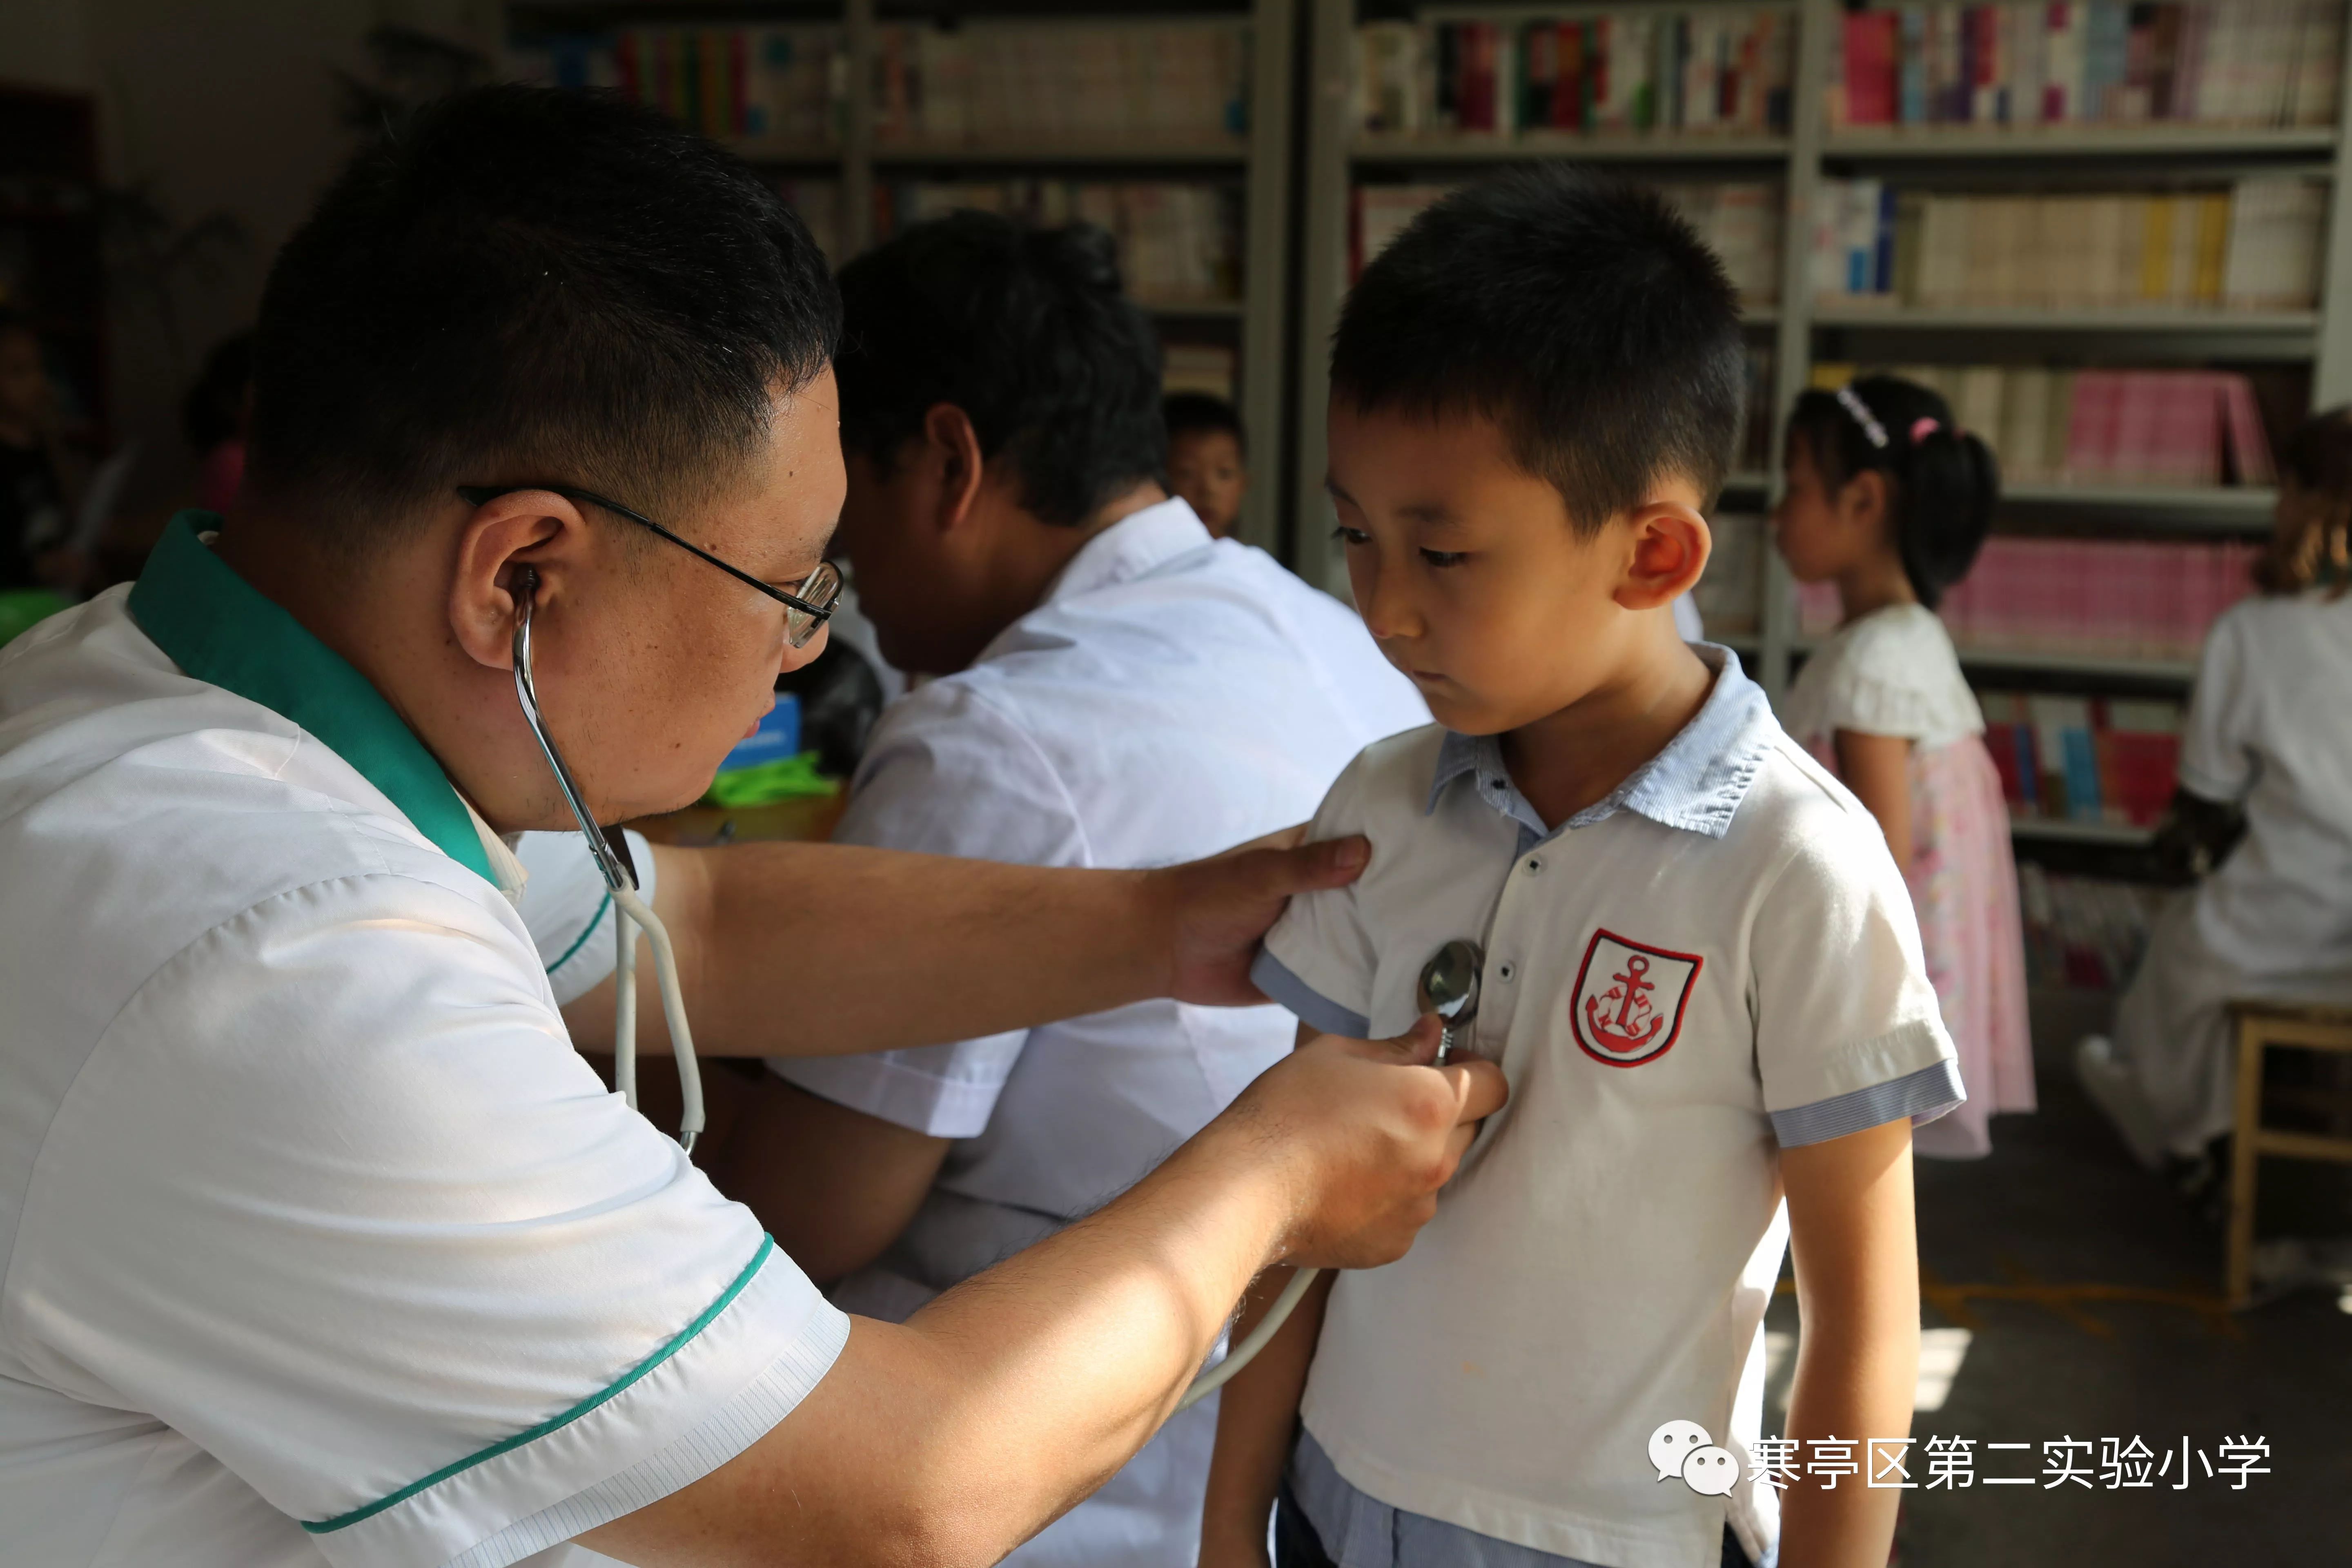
1671	544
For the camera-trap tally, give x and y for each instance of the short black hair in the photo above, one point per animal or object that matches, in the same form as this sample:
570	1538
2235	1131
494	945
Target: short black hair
528	284
1582	314
1186	412
1028	333
1942	480
213	409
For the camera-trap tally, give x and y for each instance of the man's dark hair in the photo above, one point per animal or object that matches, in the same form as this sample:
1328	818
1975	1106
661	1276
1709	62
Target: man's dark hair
1028	333
1186	412
523	284
1583	315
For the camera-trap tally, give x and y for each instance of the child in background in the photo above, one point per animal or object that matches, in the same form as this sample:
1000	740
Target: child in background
2267	733
1698	965
1207	460
1891	501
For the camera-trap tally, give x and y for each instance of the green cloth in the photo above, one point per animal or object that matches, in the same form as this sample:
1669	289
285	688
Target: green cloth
22	608
219	628
763	784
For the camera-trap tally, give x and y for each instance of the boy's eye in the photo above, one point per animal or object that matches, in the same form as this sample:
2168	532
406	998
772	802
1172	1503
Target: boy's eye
1347	535
1441	559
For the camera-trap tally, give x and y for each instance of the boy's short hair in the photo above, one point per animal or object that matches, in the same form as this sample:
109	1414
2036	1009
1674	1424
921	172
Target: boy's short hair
1028	333
1582	314
1185	413
528	284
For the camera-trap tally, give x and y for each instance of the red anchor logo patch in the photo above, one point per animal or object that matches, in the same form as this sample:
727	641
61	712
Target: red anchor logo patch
1629	997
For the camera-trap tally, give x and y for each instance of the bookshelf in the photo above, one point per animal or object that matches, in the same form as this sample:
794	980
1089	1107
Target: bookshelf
871	150
1802	331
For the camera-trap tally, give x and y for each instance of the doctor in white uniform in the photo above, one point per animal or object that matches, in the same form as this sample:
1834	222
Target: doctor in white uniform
319	1242
1115	688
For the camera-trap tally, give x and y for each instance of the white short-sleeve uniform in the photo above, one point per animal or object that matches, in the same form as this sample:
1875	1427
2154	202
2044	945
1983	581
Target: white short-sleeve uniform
1171	697
2267	729
321	1243
1717	962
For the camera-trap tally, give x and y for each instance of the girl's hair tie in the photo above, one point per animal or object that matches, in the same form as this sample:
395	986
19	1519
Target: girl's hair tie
1923	426
1871	429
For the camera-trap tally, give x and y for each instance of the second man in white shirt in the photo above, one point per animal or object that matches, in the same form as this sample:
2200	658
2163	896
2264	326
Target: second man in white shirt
1114	688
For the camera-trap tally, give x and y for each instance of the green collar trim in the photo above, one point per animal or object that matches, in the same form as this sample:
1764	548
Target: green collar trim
219	628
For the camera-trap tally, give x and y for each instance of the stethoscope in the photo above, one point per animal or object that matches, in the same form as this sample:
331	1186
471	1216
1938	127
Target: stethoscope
630	912
1448	987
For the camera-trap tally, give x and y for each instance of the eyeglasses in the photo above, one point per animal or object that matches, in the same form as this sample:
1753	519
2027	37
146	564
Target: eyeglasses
820	591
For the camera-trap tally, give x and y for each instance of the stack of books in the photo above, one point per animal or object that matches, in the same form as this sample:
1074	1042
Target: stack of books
2081	598
1068	81
2081	931
2100	63
1212	368
2255	246
2185	429
777	85
2083	759
1740	221
1622	73
1728	595
1178	243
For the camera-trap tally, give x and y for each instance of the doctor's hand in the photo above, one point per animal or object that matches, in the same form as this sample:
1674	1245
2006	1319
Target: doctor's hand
1216	909
1369	1131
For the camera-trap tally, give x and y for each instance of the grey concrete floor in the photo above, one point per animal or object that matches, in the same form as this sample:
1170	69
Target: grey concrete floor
2092	1298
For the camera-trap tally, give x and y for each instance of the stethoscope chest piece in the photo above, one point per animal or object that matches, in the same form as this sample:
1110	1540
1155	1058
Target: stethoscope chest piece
1449	988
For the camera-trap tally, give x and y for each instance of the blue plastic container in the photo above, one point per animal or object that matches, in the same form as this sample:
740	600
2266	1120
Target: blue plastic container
778	737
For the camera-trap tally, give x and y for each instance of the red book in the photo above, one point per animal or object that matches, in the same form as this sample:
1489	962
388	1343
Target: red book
1869	69
2091	427
2001	741
2136	769
2250	447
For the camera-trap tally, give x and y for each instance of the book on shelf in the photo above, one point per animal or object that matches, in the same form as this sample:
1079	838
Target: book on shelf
2079	598
1212	368
981	82
2255	244
2084	931
1741	220
1730	592
2186	428
1179	242
782	85
2107	759
818	205
1618	73
2102	63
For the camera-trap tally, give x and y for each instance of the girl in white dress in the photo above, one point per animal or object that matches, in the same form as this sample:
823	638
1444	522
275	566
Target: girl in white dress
2269	738
1889	501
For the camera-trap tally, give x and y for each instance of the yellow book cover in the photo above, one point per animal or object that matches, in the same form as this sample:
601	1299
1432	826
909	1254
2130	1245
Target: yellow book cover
1828	375
2212	246
2155	252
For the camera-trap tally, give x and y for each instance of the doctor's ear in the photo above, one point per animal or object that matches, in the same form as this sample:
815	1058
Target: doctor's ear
524	540
952	446
1671	544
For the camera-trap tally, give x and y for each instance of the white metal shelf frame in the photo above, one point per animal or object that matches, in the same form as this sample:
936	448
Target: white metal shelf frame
1335	152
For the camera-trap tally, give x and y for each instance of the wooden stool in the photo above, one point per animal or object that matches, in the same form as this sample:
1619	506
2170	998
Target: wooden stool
2261	1025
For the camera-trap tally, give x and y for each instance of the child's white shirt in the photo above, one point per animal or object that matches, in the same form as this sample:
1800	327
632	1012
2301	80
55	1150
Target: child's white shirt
1890	672
1602	1264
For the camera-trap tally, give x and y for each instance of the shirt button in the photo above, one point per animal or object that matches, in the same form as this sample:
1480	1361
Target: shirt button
1505	972
1535	863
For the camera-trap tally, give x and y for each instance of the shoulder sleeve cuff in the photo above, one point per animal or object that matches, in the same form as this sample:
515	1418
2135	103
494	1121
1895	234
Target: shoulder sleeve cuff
1921	1096
1311	1007
2208	785
712	1391
906	1095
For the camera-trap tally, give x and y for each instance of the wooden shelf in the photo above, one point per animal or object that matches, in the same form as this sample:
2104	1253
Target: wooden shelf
1748	482
2075	141
2057	830
2182	671
1221	151
1399	148
2159	506
1836	313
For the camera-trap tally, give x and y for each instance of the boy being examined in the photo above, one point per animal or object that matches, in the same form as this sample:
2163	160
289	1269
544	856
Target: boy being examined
1698	968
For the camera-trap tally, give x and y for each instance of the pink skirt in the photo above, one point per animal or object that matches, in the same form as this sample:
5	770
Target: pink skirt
1963	882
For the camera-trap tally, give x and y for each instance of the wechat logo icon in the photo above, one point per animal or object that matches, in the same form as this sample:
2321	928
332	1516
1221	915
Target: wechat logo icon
1682	1448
